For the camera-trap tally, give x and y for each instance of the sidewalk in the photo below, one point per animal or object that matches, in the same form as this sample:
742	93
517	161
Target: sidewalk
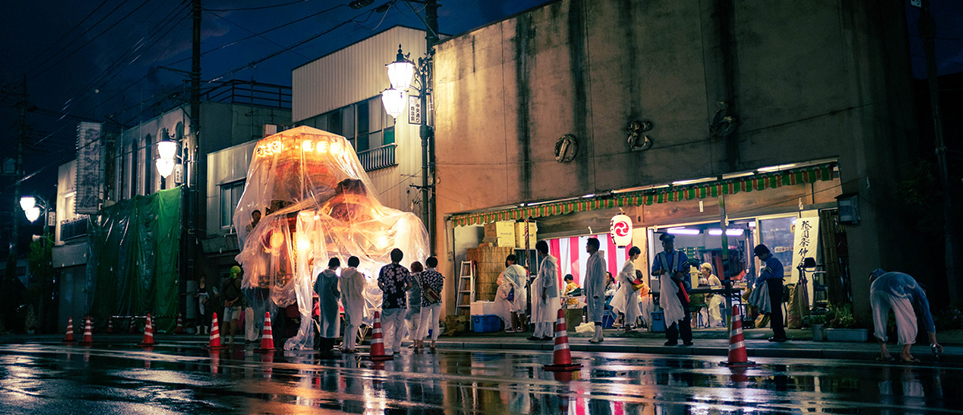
708	342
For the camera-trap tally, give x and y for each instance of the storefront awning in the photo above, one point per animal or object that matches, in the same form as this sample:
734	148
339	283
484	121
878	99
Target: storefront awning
754	182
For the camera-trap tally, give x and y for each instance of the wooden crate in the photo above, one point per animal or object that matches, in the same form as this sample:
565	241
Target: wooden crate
489	263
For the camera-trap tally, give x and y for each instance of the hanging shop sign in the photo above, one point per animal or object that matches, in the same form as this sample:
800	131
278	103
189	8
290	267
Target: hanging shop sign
621	230
90	168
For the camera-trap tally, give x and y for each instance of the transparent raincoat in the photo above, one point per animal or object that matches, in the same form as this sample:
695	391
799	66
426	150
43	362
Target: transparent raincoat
316	203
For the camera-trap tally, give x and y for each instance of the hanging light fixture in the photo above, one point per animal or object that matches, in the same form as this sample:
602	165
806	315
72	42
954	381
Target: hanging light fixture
166	149
33	213
394	101
27	202
165	167
401	71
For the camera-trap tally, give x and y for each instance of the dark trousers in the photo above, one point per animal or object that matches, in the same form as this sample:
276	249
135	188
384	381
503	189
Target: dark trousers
685	326
775	315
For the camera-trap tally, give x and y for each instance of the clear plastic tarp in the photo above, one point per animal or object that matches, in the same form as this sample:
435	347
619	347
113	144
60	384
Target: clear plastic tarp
316	203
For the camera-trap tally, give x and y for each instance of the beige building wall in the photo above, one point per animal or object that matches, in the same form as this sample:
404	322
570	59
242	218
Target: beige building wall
806	81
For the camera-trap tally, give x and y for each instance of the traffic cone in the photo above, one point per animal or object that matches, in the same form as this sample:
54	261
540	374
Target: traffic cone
737	343
180	324
148	334
110	325
215	343
377	352
267	338
69	338
562	359
88	337
133	325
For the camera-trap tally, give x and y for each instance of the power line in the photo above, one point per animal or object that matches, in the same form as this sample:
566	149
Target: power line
67	32
78	37
255	34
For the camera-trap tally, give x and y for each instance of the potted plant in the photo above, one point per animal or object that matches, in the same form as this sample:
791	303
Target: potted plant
843	326
816	322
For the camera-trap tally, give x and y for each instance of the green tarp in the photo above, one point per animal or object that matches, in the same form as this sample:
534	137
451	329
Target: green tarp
132	266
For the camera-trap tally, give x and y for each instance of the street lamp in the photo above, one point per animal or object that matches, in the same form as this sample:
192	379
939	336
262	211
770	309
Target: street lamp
165	164
32	207
401	73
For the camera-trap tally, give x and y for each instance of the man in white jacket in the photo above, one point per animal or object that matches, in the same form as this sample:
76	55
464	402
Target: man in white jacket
595	279
352	284
545	295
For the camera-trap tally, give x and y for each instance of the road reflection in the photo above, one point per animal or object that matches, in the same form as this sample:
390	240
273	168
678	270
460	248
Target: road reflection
466	382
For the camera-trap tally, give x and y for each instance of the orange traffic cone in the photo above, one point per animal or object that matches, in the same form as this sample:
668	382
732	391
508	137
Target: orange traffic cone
267	338
133	325
737	343
377	352
562	360
148	333
88	338
215	343
110	325
69	338
180	324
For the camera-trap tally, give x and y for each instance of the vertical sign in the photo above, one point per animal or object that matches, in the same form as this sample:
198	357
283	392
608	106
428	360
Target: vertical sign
90	168
805	245
414	110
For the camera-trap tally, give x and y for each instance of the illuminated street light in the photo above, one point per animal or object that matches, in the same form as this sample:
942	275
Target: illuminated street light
165	167
394	101
27	202
401	71
167	149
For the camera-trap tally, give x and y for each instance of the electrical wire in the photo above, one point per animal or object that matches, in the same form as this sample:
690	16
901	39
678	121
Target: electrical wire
251	32
56	42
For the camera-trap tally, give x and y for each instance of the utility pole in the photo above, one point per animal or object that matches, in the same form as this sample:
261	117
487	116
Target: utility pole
927	31
427	128
190	200
11	272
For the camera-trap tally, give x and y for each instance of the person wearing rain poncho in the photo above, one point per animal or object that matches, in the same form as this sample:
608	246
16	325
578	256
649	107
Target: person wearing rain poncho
503	307
626	300
545	295
326	287
351	285
899	291
517	276
672	267
595	276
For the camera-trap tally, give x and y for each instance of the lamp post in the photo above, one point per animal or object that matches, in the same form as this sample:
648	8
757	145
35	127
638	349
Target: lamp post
32	211
401	73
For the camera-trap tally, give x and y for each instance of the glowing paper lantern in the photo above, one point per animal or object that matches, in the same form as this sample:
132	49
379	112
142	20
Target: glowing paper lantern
621	230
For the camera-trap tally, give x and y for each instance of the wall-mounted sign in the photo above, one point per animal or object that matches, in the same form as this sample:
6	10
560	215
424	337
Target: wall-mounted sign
414	109
90	168
621	230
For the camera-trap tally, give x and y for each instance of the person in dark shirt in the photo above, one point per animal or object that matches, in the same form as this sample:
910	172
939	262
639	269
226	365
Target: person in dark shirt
772	275
233	301
393	281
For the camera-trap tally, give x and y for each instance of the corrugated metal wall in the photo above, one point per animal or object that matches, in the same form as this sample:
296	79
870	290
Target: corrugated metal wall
225	166
357	73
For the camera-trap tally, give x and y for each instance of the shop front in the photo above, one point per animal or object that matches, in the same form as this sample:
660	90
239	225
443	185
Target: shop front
716	221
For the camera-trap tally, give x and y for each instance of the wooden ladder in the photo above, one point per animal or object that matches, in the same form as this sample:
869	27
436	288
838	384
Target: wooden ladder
466	289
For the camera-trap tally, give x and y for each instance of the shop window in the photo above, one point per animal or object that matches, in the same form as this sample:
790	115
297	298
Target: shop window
230	196
778	234
389	136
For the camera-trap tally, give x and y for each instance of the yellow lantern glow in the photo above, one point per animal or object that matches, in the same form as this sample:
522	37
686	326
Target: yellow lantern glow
304	244
307	145
335	148
277	239
322	147
621	230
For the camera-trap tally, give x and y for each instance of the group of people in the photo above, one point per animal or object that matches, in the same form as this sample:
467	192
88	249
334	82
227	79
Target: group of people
234	304
411	302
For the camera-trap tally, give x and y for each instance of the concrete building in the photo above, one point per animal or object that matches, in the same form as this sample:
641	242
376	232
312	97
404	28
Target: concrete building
341	93
535	119
231	114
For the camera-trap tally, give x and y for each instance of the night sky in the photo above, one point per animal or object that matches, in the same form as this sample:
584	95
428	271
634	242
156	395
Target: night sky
92	60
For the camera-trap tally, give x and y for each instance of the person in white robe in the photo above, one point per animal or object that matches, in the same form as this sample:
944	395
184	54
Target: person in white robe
626	300
352	285
517	276
545	295
326	287
503	307
595	276
714	301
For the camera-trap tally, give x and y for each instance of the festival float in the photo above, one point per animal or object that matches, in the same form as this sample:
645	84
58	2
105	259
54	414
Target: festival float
317	203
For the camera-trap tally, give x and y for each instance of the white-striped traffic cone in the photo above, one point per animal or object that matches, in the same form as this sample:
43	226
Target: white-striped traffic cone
562	358
148	334
69	337
377	352
737	343
267	338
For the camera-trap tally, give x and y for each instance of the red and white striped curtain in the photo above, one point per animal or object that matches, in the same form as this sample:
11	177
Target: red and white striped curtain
572	256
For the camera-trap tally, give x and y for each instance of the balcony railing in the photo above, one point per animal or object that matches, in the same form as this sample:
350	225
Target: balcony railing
73	228
378	158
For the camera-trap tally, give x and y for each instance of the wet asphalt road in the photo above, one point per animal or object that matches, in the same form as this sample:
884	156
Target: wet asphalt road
52	379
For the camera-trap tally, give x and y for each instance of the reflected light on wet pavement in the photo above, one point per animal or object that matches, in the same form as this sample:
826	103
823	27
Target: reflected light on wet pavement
185	378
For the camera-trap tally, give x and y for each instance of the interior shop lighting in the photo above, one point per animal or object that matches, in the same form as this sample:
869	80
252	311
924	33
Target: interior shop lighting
683	231
729	232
